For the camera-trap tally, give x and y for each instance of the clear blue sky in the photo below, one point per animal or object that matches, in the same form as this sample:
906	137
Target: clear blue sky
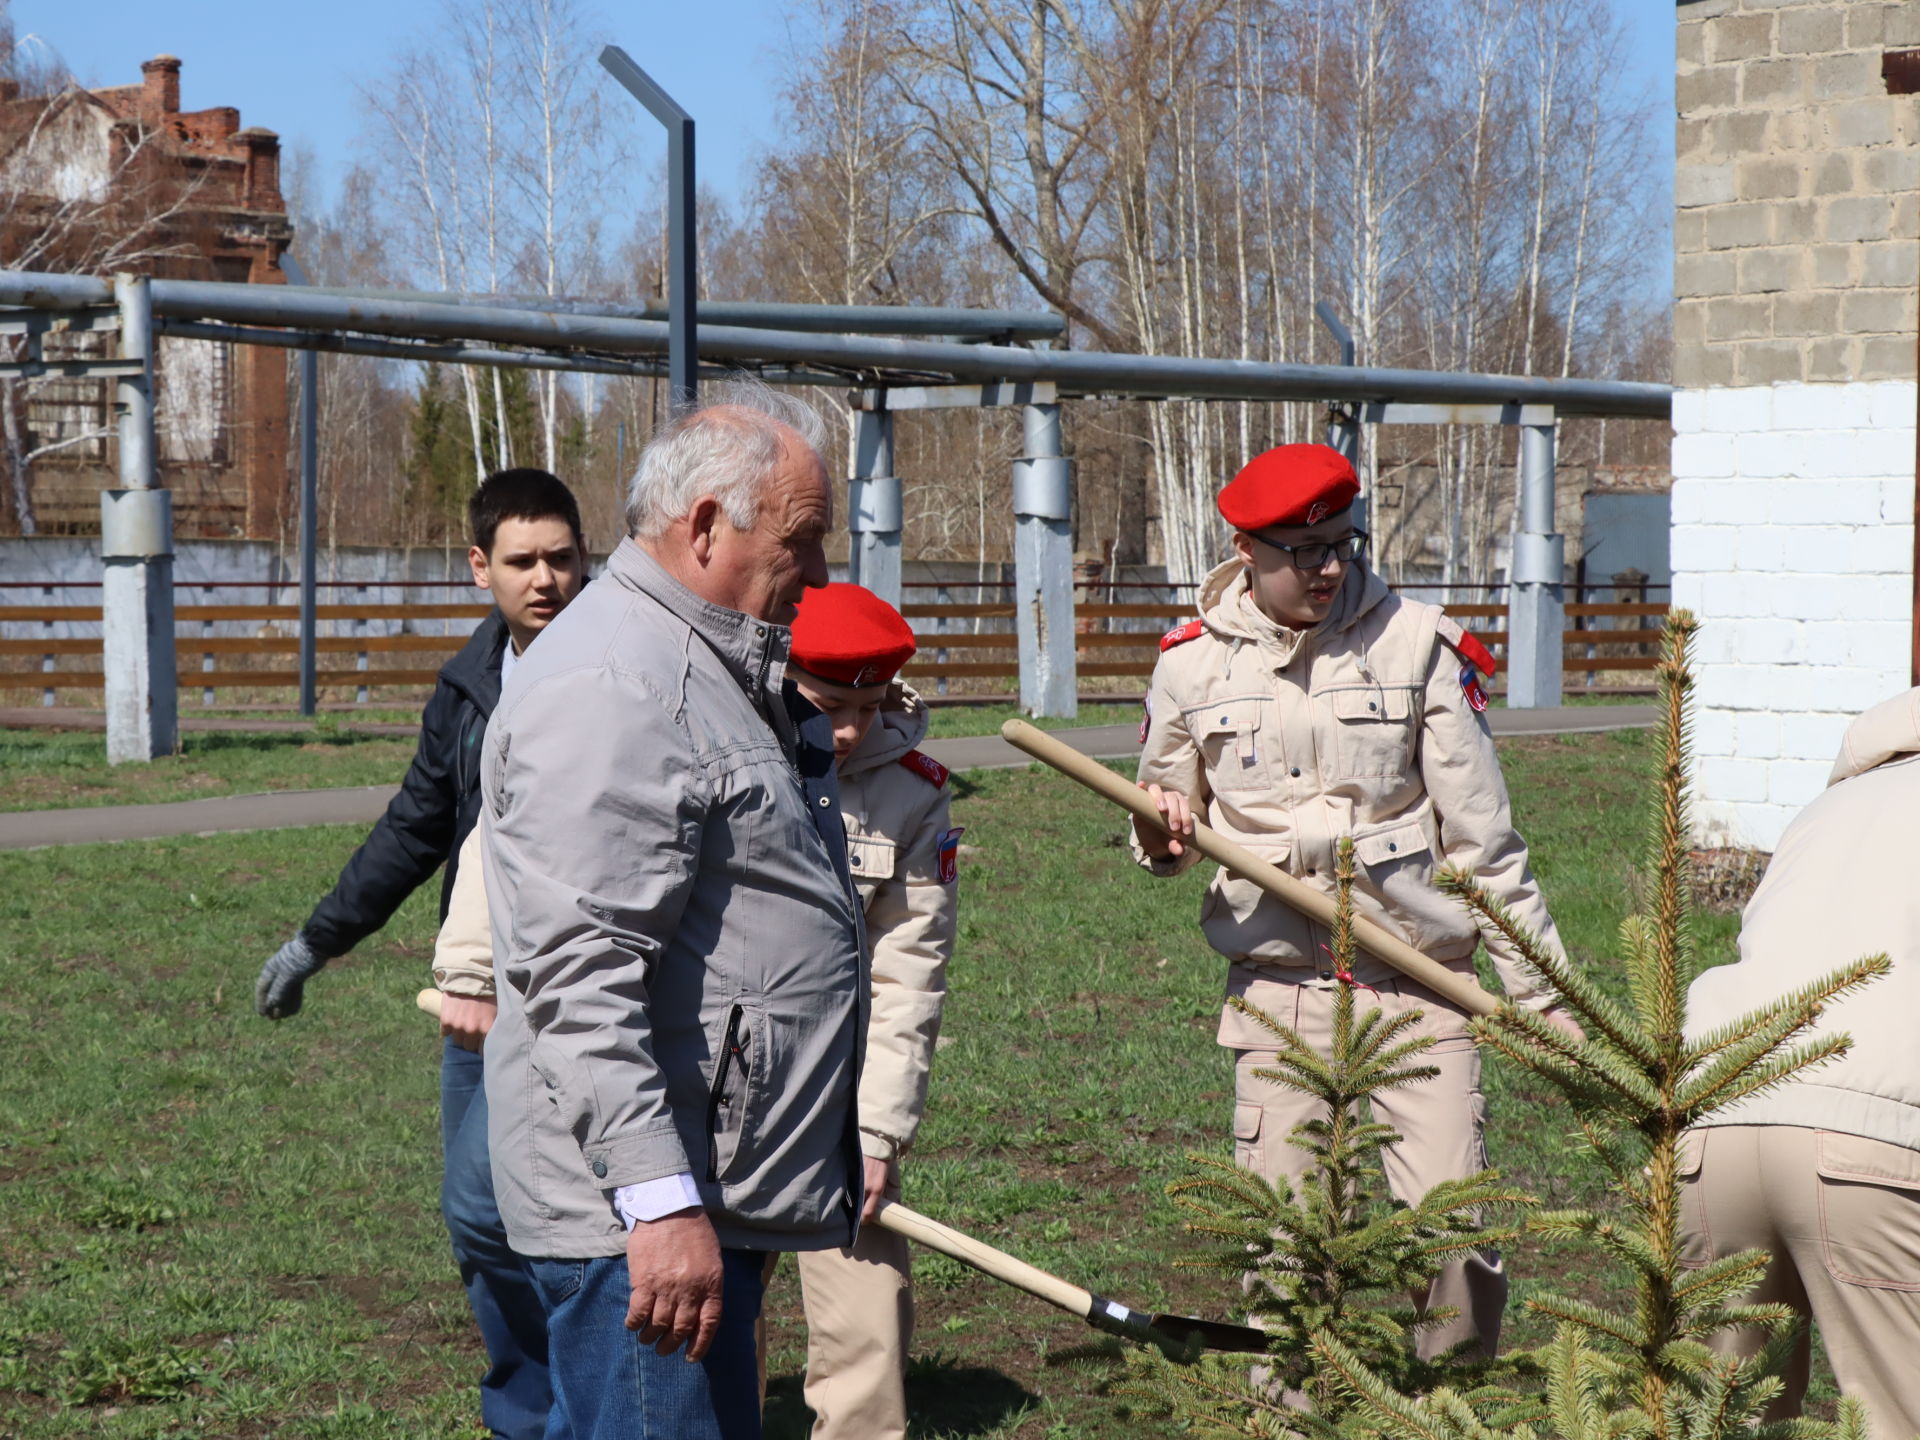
293	68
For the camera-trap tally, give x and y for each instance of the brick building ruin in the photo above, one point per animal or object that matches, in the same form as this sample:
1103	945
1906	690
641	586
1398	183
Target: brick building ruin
1797	273
122	178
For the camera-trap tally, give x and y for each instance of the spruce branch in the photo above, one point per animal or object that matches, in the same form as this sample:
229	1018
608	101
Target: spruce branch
1723	1087
1618	1092
1589	1317
1574	991
1717	1279
1393	1413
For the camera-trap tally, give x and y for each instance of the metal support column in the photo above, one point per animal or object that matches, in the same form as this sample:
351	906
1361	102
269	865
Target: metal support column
1536	603
1343	421
136	555
874	507
309	513
1043	567
683	360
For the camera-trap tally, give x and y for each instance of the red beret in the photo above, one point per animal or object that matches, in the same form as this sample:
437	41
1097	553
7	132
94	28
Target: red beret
1293	485
849	635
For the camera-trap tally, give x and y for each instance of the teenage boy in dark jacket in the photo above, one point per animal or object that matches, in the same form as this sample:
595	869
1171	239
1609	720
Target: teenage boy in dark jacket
529	553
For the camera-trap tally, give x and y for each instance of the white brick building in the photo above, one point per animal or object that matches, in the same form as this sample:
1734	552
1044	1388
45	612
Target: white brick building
1797	276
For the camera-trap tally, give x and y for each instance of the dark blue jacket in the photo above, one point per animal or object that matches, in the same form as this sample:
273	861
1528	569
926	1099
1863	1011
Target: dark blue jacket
438	803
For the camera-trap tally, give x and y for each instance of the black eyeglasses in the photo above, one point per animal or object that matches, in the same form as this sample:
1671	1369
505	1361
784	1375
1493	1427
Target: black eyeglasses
1346	549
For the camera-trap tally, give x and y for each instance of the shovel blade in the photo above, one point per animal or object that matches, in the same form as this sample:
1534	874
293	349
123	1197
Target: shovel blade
1186	1331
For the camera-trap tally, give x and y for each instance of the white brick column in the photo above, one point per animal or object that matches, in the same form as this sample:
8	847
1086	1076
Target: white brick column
1793	543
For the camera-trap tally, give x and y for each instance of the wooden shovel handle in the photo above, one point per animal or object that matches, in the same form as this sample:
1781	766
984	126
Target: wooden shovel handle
935	1236
984	1258
1460	989
969	1251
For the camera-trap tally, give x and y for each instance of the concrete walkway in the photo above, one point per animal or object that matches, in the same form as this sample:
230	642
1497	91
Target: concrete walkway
286	809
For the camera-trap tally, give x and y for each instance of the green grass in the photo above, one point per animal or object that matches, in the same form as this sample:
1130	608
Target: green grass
59	769
214	1226
953	721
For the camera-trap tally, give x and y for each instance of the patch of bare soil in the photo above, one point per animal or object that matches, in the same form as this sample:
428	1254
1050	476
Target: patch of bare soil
1725	879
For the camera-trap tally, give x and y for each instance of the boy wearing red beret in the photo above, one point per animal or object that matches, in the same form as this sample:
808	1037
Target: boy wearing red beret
848	647
1308	703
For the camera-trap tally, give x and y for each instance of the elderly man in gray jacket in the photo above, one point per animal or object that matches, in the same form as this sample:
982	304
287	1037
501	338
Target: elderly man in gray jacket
677	943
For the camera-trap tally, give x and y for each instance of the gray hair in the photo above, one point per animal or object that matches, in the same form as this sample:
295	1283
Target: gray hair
728	447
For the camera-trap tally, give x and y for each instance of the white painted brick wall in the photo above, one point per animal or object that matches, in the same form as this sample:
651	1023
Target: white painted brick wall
1793	543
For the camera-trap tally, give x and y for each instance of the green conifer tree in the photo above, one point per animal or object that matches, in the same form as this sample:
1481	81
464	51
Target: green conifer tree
1332	1256
1645	1370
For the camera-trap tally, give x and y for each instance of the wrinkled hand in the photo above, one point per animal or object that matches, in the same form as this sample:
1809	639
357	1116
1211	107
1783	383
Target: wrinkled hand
1176	825
673	1264
881	1180
466	1019
277	993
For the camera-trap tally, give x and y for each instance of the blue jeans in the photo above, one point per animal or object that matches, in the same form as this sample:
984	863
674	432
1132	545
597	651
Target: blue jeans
516	1392
608	1386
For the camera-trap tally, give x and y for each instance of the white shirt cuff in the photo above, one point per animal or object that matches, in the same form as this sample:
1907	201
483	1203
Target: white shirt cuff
651	1199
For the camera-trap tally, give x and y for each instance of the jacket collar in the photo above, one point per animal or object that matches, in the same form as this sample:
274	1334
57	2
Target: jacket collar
899	727
753	651
1227	606
475	670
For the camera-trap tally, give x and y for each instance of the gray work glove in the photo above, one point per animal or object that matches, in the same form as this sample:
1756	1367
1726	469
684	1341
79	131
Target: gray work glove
276	994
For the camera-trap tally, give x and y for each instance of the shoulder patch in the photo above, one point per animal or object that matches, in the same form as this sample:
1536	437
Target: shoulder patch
1467	647
946	849
926	767
1479	661
1180	634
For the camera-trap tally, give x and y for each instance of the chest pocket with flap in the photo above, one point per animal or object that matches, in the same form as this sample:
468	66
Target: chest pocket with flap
1390	844
871	859
1373	729
1229	735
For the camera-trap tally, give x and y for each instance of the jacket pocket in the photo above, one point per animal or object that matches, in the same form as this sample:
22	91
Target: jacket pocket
1246	1137
1390	844
1869	1211
729	1093
1373	729
1229	733
871	858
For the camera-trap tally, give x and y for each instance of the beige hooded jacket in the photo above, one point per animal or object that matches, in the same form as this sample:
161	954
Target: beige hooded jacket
1287	740
1840	887
896	818
894	804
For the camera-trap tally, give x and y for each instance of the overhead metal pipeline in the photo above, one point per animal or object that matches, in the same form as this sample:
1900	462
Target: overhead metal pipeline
334	343
926	320
871	358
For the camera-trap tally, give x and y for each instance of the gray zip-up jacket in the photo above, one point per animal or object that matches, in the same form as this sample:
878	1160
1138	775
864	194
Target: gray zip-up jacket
677	944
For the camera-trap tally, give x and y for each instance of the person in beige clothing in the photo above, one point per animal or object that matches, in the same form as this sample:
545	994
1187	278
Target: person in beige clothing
1307	704
848	645
1824	1171
902	850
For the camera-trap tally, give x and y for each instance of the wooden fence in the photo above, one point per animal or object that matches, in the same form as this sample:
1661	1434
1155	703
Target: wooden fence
965	642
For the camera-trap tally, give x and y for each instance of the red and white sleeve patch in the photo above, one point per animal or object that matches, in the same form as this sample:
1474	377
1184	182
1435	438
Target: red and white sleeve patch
926	767
1180	634
1482	658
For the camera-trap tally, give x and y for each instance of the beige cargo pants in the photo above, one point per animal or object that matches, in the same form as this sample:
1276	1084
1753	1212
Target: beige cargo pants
859	1308
1841	1216
1440	1123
